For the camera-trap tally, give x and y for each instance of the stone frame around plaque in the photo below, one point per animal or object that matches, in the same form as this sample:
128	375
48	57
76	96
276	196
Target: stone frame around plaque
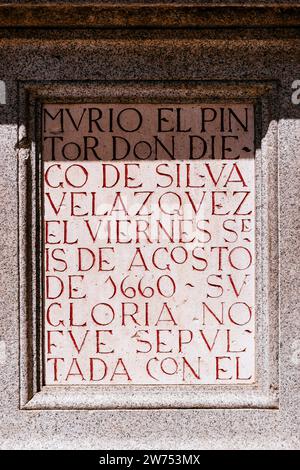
33	394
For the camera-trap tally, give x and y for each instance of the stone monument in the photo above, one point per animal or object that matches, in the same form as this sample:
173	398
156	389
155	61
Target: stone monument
149	216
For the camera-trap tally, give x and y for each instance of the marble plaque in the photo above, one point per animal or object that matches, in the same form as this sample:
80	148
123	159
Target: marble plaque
149	244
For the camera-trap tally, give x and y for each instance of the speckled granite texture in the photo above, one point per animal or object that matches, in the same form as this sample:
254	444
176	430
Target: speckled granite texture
243	58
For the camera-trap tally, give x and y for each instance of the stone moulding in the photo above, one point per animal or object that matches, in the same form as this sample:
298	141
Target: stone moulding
148	16
34	395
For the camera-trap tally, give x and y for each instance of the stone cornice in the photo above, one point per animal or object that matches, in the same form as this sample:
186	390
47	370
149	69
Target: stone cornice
124	16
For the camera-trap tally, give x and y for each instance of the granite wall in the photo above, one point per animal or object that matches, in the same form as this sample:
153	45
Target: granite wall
224	52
